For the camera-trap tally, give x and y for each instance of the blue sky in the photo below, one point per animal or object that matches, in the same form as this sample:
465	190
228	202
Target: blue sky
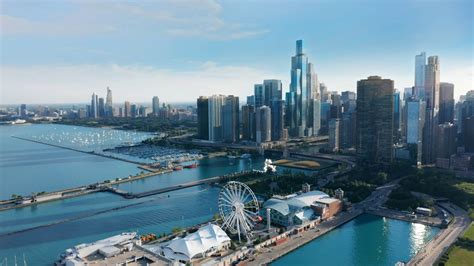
62	51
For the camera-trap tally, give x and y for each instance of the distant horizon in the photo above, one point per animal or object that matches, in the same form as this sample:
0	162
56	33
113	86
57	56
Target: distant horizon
62	52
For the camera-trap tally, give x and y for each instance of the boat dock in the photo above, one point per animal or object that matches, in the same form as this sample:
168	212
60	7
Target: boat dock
77	150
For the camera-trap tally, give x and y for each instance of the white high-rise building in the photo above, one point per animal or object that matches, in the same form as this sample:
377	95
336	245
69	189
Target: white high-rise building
334	134
216	103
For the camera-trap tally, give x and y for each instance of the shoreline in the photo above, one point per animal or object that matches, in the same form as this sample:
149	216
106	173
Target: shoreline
301	239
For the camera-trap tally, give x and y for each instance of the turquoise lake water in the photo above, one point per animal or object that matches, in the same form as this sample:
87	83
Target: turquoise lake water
43	231
367	240
27	167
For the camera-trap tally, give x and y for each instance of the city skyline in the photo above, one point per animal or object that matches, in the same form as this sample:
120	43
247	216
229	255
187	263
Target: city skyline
78	65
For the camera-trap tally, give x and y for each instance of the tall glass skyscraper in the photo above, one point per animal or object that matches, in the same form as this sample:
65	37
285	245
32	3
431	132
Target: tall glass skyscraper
94	106
272	91
259	94
415	122
420	65
304	90
432	108
108	103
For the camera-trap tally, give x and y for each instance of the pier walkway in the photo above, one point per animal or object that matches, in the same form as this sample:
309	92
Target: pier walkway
129	195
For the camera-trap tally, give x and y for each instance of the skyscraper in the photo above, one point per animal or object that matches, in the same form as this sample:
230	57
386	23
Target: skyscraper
348	120
272	90
127	110
216	102
259	94
446	102
420	68
251	100
23	110
277	119
447	133
304	89
263	124
230	119
94	112
323	92
468	134
202	117
415	122
108	104
432	108
374	140
396	116
155	105
334	134
101	107
134	110
466	122
325	116
248	122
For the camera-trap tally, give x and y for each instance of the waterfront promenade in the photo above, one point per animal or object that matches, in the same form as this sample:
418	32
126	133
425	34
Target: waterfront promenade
303	238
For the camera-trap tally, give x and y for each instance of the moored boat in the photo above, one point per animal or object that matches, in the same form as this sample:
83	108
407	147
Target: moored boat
189	166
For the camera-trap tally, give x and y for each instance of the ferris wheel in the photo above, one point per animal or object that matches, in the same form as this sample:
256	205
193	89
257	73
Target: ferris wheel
238	208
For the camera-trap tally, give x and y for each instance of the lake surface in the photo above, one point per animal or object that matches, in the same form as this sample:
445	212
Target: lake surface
43	231
366	240
157	214
27	167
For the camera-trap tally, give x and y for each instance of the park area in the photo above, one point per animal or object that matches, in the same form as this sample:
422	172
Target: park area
462	252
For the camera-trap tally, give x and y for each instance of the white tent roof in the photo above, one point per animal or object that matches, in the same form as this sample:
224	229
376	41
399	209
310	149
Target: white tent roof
207	237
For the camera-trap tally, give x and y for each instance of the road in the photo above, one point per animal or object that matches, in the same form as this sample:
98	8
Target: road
436	247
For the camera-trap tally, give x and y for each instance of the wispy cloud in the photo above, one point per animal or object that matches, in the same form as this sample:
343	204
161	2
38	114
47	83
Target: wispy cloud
181	18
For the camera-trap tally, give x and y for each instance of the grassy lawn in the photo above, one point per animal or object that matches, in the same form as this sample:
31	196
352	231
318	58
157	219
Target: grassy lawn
470	233
462	252
459	256
465	186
